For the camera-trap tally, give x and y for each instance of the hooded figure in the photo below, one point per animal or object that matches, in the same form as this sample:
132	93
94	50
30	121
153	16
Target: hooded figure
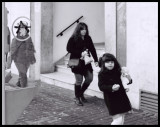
22	52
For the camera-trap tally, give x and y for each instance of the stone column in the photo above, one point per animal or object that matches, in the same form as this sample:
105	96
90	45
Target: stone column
36	38
121	33
3	69
47	37
110	27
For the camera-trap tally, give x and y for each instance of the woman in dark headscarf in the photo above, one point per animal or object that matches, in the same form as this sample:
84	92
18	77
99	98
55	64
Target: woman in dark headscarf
22	53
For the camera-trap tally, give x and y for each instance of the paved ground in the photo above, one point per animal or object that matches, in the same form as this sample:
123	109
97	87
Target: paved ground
55	106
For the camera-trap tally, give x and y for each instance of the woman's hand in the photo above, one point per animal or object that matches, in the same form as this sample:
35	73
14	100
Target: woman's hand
9	62
84	53
96	64
115	87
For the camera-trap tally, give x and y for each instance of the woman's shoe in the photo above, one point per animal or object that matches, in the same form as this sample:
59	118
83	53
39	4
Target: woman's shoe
18	84
83	99
78	101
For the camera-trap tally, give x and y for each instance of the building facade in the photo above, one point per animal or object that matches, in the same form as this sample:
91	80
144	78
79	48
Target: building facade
129	30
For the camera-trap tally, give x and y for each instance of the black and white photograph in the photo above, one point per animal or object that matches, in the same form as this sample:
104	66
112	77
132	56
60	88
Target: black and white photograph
80	63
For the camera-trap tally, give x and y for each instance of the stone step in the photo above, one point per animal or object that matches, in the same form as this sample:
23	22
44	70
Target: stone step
100	45
63	76
63	69
68	80
66	70
100	52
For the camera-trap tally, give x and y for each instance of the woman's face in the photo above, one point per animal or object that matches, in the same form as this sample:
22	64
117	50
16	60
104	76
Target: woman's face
109	65
23	31
83	32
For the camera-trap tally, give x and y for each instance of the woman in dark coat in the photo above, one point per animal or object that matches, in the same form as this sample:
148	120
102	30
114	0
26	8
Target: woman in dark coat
115	96
79	45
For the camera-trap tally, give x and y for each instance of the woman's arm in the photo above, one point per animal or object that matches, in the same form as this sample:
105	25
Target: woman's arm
92	50
13	46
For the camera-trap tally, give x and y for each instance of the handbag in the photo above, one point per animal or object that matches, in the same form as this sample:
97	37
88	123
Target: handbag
72	63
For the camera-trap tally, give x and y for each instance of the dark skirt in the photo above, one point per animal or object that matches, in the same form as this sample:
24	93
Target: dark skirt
81	69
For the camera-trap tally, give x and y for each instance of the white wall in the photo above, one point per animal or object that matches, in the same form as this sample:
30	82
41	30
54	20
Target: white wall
142	47
16	9
66	13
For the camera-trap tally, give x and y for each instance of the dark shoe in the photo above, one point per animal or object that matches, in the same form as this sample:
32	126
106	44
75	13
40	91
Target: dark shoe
83	99
83	89
18	84
77	94
78	101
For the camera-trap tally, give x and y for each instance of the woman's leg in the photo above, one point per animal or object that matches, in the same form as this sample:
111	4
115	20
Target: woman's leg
79	79
77	88
88	79
22	69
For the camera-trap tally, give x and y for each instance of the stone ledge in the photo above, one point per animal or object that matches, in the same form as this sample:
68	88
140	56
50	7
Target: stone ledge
67	81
